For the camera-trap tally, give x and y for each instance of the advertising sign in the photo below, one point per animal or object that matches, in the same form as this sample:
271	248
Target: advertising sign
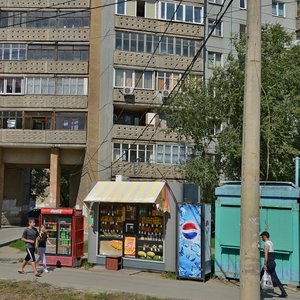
129	246
189	241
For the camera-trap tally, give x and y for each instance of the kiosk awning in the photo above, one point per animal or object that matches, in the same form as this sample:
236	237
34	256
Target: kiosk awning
130	192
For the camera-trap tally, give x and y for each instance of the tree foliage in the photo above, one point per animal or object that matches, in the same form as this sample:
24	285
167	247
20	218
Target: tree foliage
195	112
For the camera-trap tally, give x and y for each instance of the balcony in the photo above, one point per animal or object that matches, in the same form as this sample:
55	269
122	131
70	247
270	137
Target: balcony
46	137
159	26
44	67
147	171
169	62
142	97
43	101
44	4
130	132
52	34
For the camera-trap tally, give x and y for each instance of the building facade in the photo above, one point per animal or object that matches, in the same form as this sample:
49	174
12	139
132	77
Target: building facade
44	69
234	23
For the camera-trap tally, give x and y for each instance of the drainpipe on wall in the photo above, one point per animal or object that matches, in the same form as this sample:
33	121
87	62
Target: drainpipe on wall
296	159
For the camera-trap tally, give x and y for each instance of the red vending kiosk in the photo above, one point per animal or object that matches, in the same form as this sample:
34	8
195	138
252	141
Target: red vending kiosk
66	234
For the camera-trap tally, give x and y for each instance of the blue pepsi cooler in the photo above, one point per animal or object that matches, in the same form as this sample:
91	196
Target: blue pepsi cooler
194	241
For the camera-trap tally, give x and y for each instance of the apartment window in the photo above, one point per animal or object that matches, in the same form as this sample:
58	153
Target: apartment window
41	52
172	154
39	19
140	8
38	120
133	152
278	9
13	18
214	60
120	9
13	51
220	2
11	85
243	4
73	53
74	19
217	30
40	85
70	121
11	120
167	80
242	30
134	79
186	13
148	42
58	86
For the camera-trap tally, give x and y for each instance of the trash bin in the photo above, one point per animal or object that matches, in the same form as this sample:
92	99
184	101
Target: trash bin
279	214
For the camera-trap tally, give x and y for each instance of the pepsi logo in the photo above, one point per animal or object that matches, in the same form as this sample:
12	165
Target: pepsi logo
190	230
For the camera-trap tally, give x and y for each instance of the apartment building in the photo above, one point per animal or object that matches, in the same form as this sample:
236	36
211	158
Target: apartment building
44	58
234	22
144	46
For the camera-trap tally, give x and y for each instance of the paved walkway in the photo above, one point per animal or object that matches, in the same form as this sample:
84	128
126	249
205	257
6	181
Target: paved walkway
9	234
131	281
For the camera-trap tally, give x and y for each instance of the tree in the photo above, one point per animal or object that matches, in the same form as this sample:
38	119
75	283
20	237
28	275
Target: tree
201	108
39	182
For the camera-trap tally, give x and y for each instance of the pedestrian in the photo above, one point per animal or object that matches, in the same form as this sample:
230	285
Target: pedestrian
270	264
43	240
30	237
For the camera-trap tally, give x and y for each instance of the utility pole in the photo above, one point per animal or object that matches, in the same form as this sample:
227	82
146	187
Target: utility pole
250	194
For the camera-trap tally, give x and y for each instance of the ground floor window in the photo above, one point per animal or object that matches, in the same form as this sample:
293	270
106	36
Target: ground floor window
131	230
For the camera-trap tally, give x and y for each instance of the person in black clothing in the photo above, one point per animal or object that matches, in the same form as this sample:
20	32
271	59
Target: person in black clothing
30	237
42	247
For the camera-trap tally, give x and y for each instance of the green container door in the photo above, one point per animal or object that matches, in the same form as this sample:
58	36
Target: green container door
279	214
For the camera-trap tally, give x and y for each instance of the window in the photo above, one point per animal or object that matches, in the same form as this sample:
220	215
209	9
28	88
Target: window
187	13
133	152
278	9
74	53
40	52
140	8
243	4
242	30
57	86
134	79
220	2
45	19
134	42
11	85
38	120
172	154
166	80
13	51
217	30
70	121
214	60
120	9
11	120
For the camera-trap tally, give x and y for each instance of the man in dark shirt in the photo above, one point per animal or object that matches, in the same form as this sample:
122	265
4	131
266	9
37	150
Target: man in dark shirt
29	237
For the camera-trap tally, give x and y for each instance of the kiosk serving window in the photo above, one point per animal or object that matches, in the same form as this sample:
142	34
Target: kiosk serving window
131	230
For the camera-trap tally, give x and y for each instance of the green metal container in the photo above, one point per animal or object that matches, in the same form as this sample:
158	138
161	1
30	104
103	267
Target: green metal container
279	214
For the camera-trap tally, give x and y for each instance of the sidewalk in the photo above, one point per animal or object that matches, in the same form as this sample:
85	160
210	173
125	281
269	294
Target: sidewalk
10	234
131	281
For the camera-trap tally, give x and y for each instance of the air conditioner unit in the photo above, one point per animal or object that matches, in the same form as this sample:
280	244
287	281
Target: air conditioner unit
165	93
128	91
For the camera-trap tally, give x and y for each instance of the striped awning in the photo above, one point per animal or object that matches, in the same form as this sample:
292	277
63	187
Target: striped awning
130	192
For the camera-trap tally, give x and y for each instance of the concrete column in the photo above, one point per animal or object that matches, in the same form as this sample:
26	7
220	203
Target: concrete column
75	177
55	176
1	183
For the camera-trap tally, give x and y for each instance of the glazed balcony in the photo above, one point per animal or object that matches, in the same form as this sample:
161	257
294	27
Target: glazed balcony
50	34
168	62
44	67
44	4
147	170
20	137
143	133
159	26
43	101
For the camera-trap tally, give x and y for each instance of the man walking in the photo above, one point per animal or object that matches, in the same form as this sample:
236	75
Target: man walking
29	237
270	264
